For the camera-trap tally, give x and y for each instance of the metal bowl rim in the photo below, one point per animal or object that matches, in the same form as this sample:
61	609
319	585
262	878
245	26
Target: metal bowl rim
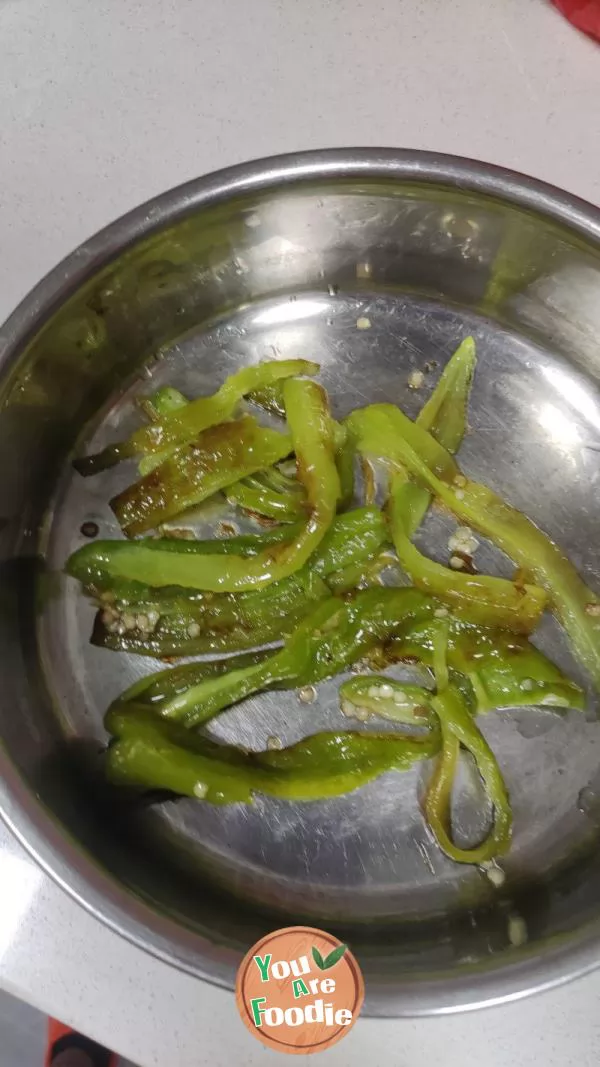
75	871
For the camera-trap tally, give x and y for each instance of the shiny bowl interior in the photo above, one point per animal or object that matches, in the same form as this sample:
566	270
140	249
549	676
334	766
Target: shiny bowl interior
271	259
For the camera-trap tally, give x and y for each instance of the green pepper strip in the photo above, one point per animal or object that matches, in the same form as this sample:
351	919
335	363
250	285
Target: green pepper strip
260	499
190	623
445	416
504	669
269	398
481	599
155	688
92	564
378	695
236	621
184	424
353	537
439	657
219	457
477	598
458	728
280	482
332	636
154	754
271	494
386	431
311	431
250	620
375	694
162	402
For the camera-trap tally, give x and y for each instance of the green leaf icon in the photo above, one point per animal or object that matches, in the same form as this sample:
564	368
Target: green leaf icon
334	957
317	957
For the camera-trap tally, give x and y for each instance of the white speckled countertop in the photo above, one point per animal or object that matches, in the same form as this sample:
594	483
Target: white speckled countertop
104	104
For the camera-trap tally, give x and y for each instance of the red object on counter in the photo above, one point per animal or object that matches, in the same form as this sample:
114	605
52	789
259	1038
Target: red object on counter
585	14
67	1048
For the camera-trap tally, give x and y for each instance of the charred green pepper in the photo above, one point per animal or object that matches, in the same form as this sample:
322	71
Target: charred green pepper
504	669
332	636
190	623
312	436
182	424
218	458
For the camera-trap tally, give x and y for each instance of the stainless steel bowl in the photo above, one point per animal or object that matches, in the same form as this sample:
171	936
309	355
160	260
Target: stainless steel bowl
276	258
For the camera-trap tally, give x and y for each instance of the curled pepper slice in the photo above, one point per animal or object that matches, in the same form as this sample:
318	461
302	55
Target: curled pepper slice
181	424
458	728
446	710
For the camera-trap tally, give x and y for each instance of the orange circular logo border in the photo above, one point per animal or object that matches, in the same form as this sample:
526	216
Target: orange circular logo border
246	978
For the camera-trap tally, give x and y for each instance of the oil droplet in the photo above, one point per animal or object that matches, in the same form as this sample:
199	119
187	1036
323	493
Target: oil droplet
307	695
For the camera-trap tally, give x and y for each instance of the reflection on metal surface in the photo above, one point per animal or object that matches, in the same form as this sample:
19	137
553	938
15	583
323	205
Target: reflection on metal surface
562	302
452	248
21	880
290	311
561	430
583	402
